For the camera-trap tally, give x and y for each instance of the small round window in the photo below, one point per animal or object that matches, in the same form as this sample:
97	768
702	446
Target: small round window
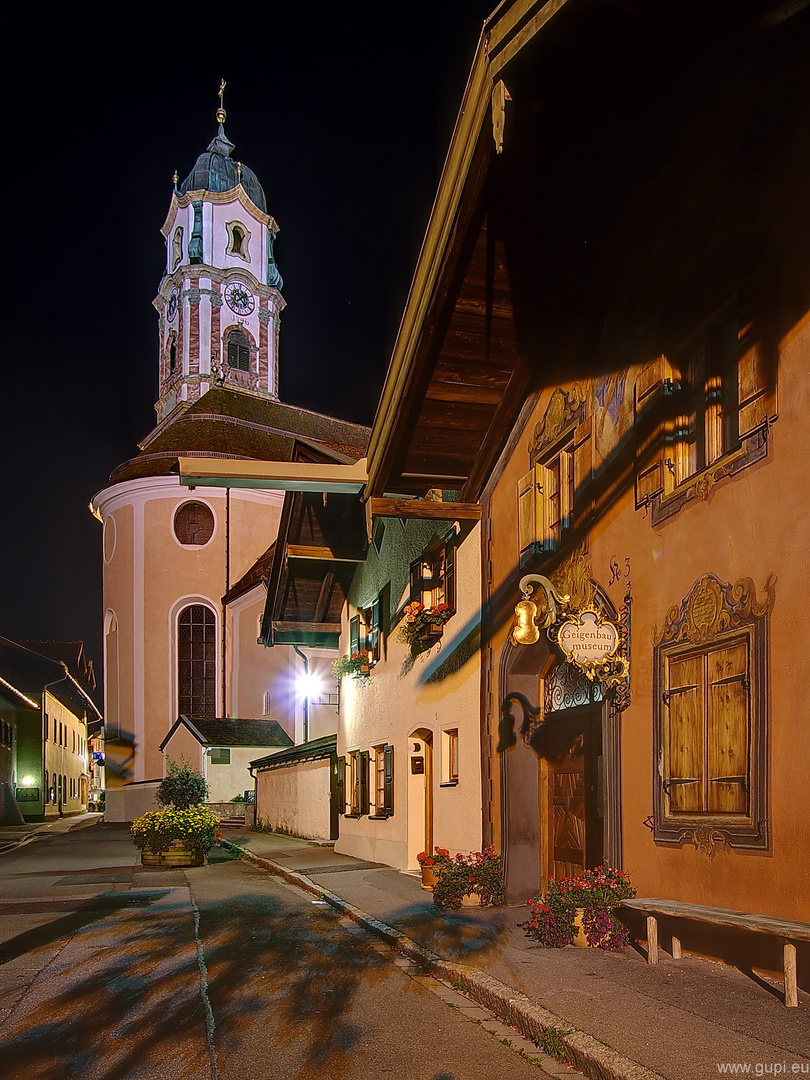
194	523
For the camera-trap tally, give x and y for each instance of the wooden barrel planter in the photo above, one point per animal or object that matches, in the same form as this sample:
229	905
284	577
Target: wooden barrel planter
177	855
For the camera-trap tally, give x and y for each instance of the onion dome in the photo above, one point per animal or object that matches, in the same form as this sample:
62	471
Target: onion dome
215	170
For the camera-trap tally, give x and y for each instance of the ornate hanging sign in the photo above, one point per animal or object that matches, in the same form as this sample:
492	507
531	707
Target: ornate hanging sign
585	636
587	639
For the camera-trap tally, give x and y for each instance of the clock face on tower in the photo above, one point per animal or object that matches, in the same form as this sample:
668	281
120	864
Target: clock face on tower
171	306
239	298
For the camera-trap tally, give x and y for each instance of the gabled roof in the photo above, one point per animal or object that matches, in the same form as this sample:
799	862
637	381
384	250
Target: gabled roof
228	422
257	574
231	732
73	654
29	674
314	750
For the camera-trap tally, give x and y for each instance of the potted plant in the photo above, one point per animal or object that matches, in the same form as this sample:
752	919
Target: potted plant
428	863
581	910
472	880
355	666
422	626
184	830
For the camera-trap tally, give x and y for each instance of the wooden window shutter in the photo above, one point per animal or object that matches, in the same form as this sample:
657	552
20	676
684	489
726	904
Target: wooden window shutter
449	558
684	782
362	779
530	509
728	729
388	764
651	422
756	367
340	785
583	470
354	634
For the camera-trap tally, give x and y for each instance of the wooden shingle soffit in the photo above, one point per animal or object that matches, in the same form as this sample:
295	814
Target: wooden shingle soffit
710	698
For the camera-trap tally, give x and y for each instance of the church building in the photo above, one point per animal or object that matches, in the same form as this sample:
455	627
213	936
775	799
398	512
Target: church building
185	571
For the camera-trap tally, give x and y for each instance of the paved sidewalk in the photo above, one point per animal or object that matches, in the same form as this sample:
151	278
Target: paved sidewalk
14	835
626	1020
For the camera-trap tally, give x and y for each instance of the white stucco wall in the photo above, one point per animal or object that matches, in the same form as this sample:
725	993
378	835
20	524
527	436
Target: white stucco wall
440	692
295	800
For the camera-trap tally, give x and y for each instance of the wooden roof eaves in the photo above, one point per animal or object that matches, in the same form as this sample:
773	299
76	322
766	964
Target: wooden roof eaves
277	569
432	259
504	34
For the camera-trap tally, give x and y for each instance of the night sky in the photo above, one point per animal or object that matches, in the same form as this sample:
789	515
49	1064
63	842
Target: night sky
345	115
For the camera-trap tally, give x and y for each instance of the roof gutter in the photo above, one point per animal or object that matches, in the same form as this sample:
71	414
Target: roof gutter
273	475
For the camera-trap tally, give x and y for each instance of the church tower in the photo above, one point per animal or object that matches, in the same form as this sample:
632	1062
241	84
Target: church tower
219	301
184	571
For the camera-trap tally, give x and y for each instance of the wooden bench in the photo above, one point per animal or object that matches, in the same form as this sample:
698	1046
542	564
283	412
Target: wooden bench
787	930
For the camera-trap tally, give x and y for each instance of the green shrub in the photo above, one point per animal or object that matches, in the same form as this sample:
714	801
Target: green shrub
182	786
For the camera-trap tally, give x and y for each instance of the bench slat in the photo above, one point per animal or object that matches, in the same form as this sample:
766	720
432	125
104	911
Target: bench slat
763	924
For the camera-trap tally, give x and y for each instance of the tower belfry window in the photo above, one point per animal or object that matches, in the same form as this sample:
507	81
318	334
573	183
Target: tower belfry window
238	239
238	350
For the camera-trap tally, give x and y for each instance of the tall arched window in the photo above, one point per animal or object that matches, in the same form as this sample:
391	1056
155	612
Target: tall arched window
196	662
238	350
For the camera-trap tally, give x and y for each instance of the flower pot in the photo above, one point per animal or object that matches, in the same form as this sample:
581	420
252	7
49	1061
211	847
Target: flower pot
428	876
472	899
430	633
580	940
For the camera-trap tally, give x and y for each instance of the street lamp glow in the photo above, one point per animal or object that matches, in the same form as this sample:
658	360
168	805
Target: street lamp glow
27	781
309	685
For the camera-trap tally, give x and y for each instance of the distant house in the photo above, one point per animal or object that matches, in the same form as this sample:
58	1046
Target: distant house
44	718
222	750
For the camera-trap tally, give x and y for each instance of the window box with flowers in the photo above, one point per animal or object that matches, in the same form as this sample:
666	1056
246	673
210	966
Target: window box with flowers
422	626
581	911
355	665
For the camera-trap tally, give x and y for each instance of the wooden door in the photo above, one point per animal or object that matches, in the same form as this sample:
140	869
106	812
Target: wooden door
575	819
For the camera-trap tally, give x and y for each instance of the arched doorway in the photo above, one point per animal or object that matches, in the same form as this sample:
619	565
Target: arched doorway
420	795
559	750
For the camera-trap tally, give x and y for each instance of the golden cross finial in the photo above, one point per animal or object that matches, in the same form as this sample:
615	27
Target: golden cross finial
221	114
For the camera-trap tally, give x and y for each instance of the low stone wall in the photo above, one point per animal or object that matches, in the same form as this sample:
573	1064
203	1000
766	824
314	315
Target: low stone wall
228	809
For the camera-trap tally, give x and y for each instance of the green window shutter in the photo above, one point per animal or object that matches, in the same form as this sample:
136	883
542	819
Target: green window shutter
354	634
362	780
388	758
340	784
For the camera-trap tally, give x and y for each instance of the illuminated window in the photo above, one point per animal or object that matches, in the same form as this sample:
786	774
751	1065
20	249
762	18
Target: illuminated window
546	500
196	661
433	575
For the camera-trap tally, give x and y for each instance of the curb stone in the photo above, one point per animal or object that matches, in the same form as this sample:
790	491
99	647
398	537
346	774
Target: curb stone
583	1051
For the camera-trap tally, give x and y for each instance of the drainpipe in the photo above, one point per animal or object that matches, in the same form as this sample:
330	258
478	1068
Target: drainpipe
224	606
306	691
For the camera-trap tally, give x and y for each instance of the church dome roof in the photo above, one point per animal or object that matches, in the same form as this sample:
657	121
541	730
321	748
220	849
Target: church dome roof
215	170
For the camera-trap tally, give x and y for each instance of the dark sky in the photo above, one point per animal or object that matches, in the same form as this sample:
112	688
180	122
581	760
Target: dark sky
344	113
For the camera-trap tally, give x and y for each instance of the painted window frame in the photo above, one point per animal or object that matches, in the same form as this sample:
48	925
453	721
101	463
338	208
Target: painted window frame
705	708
